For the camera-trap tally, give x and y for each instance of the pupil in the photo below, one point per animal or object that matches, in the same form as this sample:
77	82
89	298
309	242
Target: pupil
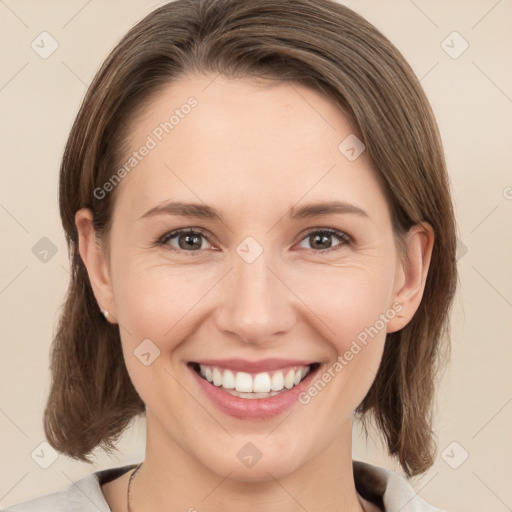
322	239
191	242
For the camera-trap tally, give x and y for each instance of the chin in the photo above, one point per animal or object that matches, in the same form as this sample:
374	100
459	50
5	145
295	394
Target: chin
267	468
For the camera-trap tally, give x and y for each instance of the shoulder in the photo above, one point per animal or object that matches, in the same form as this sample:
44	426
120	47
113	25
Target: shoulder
55	502
84	495
387	489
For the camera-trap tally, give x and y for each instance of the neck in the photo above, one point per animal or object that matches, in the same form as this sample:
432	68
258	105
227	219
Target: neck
171	475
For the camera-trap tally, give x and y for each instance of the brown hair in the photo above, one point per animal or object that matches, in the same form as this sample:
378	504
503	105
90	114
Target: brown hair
320	44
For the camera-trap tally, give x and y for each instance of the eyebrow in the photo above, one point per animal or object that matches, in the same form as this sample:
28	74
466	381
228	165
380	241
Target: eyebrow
203	211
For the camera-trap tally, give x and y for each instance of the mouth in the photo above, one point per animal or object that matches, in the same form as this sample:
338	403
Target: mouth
259	385
246	390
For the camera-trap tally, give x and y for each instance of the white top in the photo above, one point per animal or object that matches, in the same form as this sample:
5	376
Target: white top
387	489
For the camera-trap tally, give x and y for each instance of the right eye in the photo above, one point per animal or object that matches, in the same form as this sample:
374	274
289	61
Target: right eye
183	240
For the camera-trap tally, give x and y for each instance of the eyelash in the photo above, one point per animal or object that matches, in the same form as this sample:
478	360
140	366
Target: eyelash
343	238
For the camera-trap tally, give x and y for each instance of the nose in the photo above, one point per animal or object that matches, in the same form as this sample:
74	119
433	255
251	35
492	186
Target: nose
256	303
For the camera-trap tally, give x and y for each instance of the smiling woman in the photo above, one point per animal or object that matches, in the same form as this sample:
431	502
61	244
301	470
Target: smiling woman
280	261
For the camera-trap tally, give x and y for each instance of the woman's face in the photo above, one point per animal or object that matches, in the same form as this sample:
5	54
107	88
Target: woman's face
290	267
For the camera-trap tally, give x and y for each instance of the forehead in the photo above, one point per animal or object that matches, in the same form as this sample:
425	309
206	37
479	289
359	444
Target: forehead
239	142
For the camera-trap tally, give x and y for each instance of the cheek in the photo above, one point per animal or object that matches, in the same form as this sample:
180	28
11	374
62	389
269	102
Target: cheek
352	306
153	300
357	320
156	305
348	300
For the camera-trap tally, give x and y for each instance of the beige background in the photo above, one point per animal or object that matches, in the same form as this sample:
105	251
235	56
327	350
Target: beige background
472	98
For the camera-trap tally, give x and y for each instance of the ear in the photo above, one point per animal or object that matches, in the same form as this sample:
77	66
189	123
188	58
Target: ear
95	261
411	274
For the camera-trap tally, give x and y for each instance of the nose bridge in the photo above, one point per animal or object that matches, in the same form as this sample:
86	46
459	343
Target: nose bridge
256	304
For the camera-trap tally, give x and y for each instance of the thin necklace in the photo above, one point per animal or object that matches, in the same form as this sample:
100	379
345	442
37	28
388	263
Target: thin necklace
129	485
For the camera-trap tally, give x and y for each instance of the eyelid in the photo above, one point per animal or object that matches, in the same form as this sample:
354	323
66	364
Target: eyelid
332	231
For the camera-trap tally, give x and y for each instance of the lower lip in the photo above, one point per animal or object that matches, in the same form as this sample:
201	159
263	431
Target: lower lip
253	408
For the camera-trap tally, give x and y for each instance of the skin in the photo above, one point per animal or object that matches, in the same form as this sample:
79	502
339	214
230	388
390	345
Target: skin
251	151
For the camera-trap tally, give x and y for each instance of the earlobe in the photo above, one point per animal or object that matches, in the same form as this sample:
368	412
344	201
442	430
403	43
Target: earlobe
94	259
411	275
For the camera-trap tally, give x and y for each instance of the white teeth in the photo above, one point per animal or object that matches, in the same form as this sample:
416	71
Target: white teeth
217	377
288	380
243	382
260	385
277	382
229	380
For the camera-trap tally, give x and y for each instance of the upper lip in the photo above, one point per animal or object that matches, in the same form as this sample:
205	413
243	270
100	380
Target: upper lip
245	365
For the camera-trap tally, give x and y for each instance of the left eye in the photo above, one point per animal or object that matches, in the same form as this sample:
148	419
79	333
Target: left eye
322	239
